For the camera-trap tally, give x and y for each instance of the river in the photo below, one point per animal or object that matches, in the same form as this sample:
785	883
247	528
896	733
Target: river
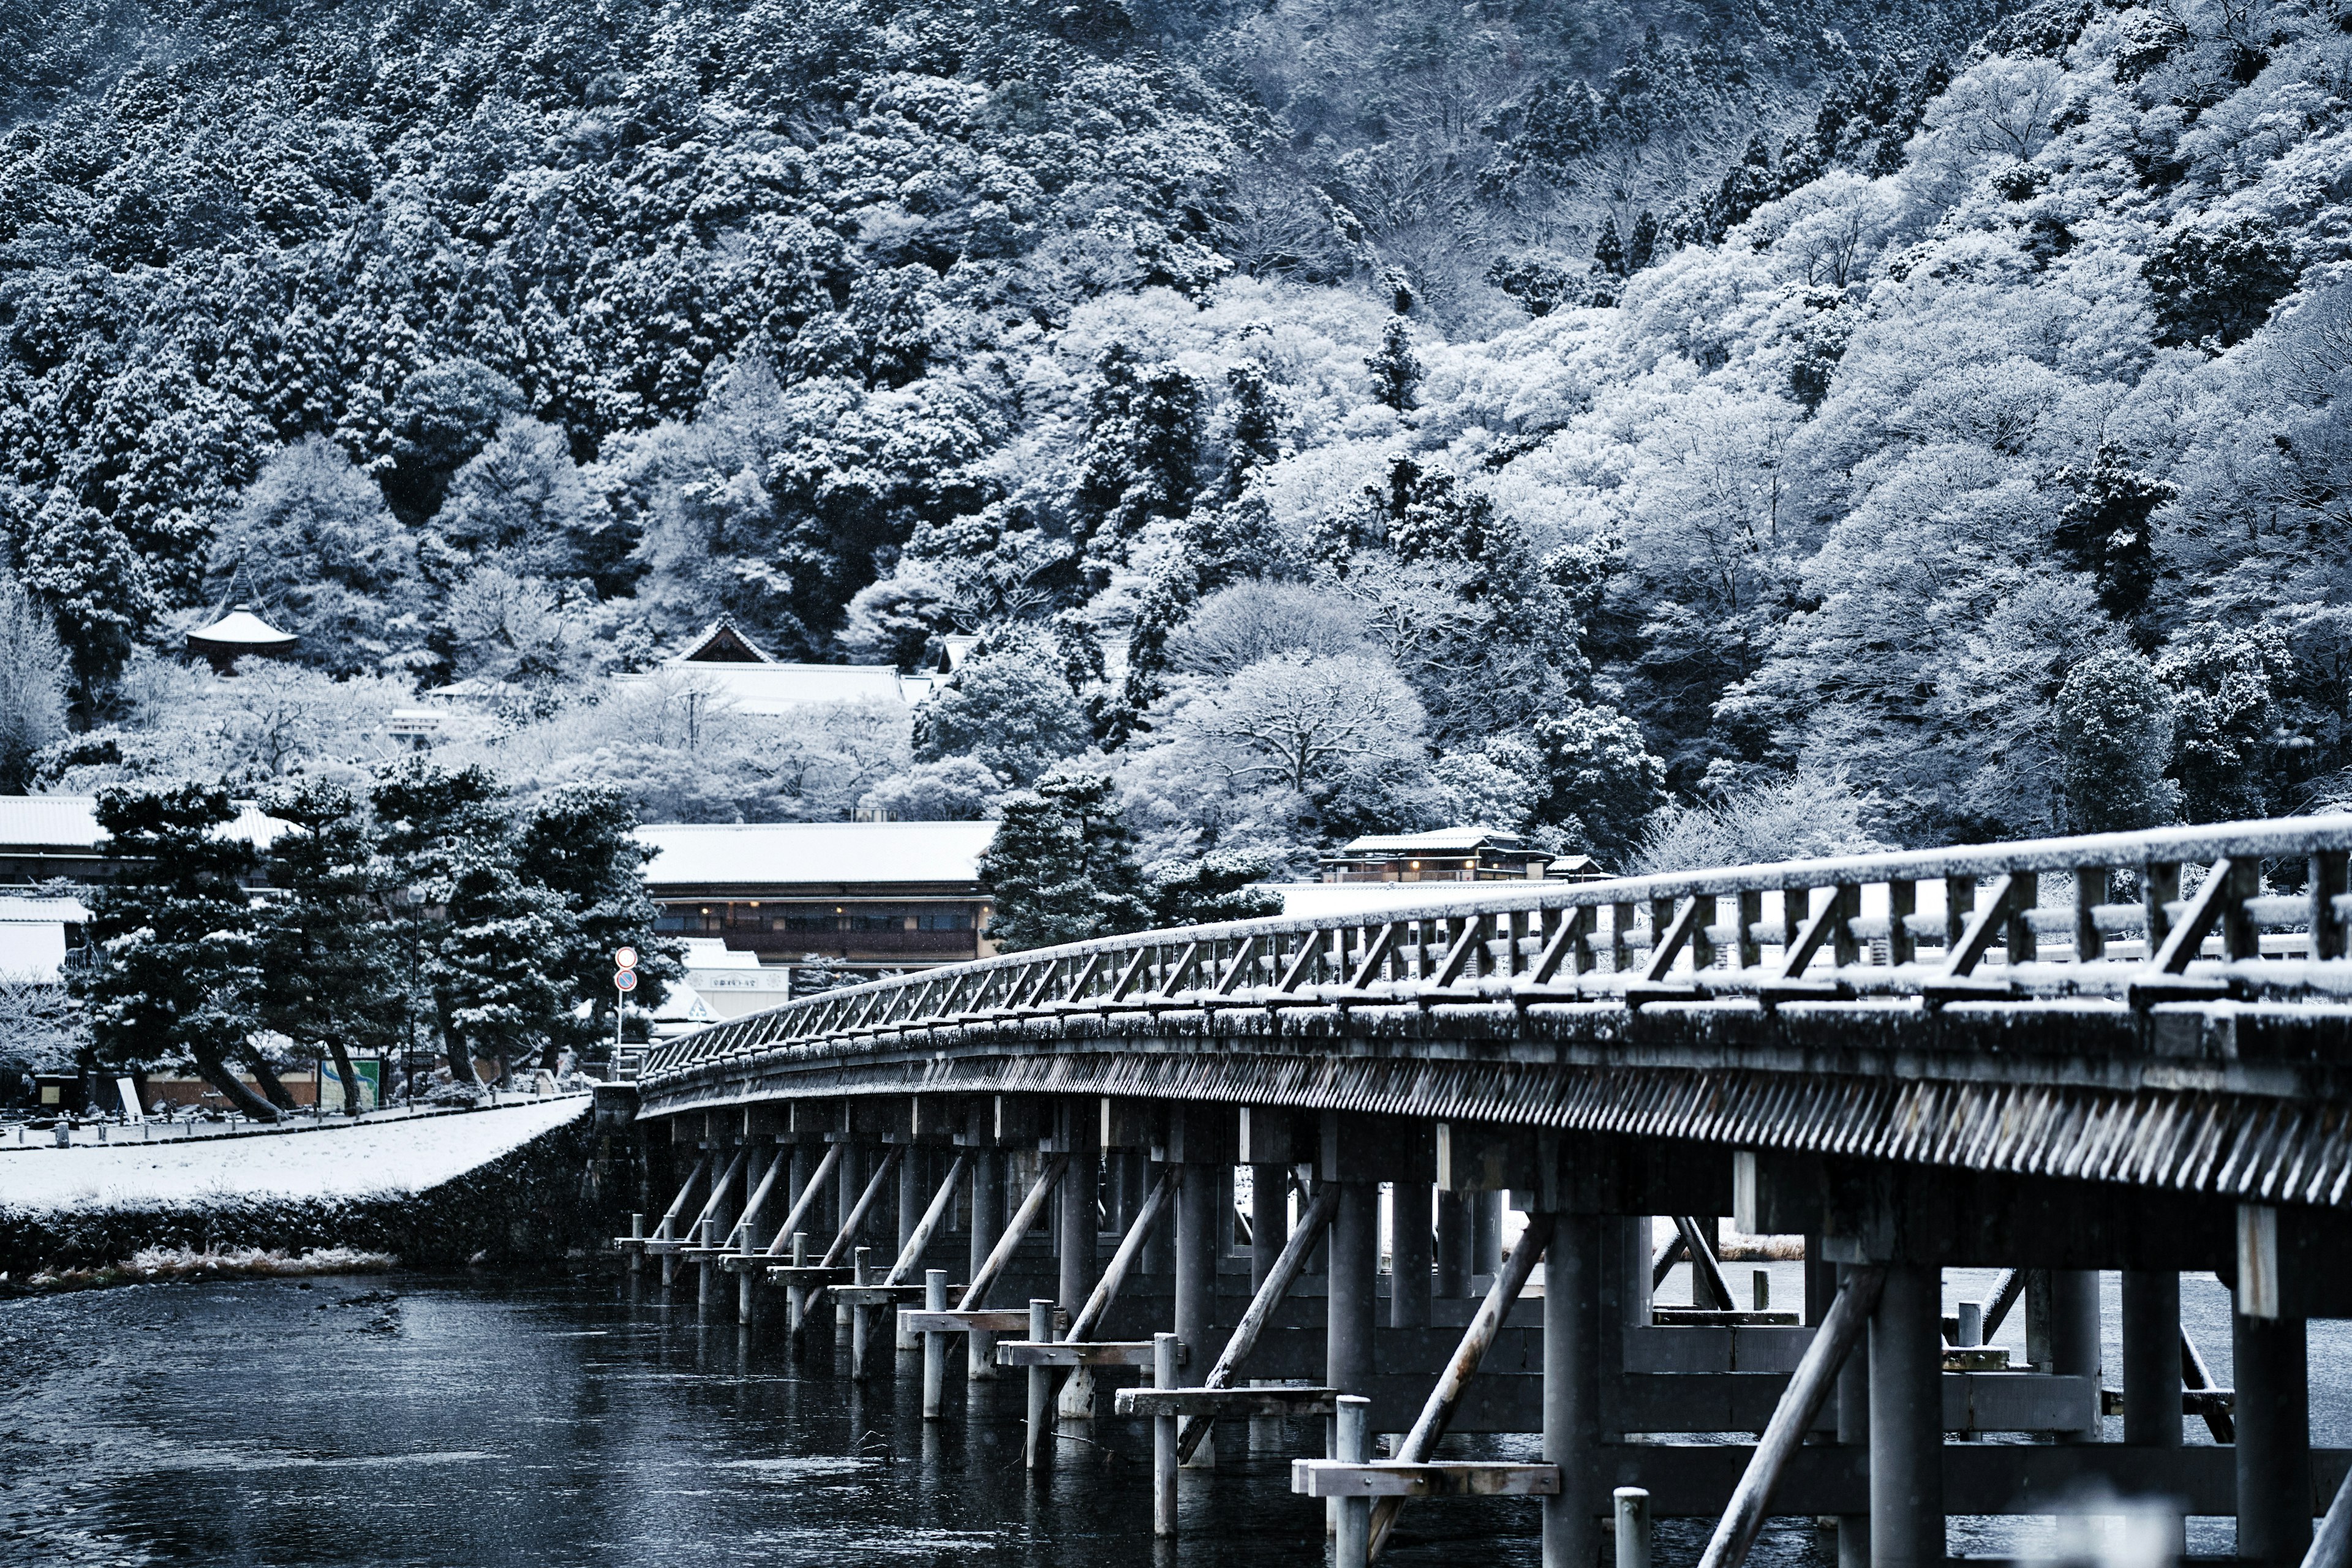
451	1422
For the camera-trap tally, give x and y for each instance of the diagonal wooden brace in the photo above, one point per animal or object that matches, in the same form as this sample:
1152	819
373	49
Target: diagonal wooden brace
1421	1444
1278	1280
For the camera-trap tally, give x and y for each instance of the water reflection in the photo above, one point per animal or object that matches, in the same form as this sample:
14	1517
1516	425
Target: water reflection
258	1422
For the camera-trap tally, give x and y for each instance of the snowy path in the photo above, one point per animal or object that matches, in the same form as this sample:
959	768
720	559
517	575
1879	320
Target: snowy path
399	1156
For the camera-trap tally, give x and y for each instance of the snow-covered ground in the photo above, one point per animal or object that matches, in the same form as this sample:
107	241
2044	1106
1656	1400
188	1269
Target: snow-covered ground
332	1162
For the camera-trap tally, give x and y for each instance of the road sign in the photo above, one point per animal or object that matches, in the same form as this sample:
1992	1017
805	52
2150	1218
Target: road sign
624	980
626	958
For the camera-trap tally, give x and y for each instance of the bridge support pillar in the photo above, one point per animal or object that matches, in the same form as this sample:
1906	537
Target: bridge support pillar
1907	1420
1080	1194
1486	1234
747	1284
2075	1334
914	1192
709	1279
2274	1416
1196	1280
1354	1288
1409	1247
1269	1219
1453	1246
987	1225
2151	1360
1854	1429
1572	1387
848	1186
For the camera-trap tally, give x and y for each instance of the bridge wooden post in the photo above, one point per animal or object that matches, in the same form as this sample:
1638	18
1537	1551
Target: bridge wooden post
1453	1282
1408	1247
1269	1219
935	1349
1079	1229
1041	1386
1196	1276
1163	1439
1572	1392
717	1224
848	1186
765	1156
1487	1229
987	1223
914	1189
1907	1420
2075	1334
1852	1431
2151	1325
2273	1458
1354	1288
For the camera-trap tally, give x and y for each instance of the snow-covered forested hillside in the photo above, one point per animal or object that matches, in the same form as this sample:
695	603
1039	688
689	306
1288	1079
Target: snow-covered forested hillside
1681	437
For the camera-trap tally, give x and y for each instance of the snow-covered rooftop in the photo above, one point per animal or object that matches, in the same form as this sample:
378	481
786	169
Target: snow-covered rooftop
732	854
242	628
70	822
1437	841
43	911
768	689
391	1156
1306	900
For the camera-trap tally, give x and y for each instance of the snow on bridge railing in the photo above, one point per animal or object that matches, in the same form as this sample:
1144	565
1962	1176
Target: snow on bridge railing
2245	909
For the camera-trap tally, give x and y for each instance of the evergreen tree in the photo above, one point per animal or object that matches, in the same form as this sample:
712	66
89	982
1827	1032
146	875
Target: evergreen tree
1221	884
1142	455
329	972
1396	369
1062	867
1747	185
313	545
2226	729
481	939
2107	529
1255	442
1641	248
2114	729
580	843
1609	250
177	974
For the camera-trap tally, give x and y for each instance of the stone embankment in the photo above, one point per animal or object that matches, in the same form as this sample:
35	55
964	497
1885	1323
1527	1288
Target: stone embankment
516	1185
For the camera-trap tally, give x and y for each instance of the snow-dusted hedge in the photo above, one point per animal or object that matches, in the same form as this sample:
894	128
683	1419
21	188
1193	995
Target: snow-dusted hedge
535	1203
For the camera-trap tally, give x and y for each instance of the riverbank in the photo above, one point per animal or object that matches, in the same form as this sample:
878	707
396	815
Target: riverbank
512	1185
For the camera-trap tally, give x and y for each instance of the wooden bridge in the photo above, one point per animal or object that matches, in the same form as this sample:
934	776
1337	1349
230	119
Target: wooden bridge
2123	1052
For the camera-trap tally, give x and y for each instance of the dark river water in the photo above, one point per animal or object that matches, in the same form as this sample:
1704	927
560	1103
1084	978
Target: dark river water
465	1422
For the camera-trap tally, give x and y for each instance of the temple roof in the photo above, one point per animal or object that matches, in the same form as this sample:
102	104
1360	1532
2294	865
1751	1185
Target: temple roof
242	628
721	643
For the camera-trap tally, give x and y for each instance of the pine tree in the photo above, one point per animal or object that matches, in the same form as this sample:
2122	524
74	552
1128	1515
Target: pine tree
1609	250
580	843
2109	530
1643	248
1747	185
480	936
330	971
1255	442
1062	867
1221	885
177	977
1396	369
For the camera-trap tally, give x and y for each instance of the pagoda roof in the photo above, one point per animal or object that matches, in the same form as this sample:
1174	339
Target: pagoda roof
242	628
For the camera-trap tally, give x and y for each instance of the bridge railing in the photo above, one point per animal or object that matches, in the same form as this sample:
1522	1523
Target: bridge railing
2245	910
